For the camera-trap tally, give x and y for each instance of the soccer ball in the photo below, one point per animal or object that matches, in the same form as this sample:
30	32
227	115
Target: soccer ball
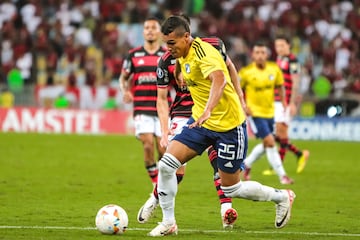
111	219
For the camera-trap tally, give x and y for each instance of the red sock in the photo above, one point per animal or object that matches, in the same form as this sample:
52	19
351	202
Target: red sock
283	148
222	197
153	172
179	177
294	149
155	192
212	154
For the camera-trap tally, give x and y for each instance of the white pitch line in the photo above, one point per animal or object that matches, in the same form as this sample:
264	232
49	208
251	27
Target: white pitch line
188	230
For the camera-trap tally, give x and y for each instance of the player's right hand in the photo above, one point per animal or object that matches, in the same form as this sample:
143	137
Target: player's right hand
247	111
164	141
128	97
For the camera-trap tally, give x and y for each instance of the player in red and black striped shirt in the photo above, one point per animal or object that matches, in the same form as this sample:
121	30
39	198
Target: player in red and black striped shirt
138	85
290	67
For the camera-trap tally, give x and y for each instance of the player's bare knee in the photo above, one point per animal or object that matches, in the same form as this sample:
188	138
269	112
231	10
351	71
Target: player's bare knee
148	147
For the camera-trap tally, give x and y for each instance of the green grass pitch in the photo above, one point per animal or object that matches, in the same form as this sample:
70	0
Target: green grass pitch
51	187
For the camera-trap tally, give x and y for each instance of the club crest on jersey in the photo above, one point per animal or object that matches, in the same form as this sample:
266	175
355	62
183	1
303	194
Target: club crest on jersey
293	67
271	77
159	73
187	68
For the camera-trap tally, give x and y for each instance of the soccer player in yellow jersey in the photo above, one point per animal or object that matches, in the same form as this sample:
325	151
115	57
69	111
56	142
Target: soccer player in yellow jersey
258	80
217	120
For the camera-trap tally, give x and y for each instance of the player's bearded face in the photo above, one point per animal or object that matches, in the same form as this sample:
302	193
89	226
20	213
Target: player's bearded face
151	31
259	55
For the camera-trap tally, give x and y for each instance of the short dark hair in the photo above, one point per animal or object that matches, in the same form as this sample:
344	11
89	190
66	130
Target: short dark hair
173	23
282	37
186	17
152	18
259	44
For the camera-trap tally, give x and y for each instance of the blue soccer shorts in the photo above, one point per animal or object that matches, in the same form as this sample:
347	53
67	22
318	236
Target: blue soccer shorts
261	127
231	146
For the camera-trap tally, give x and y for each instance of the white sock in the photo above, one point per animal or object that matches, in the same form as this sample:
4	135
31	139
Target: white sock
154	200
275	161
255	191
224	207
167	186
255	154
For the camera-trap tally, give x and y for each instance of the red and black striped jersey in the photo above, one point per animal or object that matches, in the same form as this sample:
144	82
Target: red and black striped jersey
142	66
289	66
182	104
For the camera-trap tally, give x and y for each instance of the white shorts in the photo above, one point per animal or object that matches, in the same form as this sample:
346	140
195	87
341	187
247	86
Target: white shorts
176	125
147	124
281	115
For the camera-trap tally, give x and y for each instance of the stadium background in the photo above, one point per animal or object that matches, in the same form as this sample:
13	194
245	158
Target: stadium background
52	185
67	55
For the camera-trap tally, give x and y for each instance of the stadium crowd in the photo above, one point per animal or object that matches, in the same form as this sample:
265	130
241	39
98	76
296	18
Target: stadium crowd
72	51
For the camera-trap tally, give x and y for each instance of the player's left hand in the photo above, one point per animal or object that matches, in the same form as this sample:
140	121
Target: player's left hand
205	116
285	105
181	82
292	109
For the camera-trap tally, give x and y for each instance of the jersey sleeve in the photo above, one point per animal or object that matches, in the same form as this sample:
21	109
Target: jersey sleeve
210	63
162	74
218	44
294	66
222	49
127	64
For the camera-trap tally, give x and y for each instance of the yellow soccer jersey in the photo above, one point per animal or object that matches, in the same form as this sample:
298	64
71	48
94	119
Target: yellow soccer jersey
258	85
201	60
